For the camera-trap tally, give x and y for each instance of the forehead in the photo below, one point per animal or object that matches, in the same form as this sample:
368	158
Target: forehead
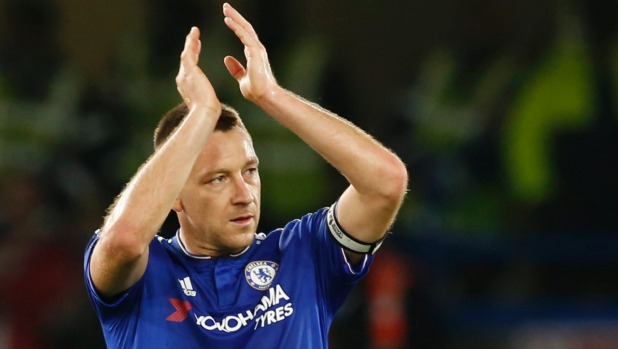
227	149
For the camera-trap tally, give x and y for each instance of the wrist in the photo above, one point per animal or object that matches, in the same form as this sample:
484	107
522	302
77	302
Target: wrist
270	97
206	109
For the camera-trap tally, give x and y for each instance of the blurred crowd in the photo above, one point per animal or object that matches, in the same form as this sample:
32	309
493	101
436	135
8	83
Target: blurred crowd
506	113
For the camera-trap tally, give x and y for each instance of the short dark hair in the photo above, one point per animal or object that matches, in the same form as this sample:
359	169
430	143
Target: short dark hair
228	119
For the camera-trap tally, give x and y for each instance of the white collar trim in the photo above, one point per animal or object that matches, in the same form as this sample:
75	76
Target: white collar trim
200	256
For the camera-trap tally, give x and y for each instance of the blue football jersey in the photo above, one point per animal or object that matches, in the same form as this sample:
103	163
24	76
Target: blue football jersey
281	292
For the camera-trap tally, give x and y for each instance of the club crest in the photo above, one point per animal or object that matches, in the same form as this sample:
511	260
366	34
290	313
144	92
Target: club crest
260	274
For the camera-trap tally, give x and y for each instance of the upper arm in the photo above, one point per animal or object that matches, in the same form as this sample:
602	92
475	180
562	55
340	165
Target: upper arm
114	268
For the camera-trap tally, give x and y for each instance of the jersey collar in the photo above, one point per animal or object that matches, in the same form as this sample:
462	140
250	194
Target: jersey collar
177	241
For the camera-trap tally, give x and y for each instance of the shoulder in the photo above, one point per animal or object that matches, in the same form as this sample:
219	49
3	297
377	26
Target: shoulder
308	222
302	230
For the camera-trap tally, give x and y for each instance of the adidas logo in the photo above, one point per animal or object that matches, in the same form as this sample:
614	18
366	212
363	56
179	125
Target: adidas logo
187	287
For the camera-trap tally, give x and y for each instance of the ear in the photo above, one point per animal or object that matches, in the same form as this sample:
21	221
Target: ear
178	206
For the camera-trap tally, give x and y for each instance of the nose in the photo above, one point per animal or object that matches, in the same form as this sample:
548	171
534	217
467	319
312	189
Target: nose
243	194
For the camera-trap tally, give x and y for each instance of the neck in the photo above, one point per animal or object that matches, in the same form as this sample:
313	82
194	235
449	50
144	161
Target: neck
196	249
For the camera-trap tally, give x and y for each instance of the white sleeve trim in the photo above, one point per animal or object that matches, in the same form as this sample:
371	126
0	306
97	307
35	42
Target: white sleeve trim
351	268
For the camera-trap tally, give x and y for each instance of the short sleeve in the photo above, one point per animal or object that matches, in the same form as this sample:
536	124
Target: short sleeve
332	265
331	256
105	306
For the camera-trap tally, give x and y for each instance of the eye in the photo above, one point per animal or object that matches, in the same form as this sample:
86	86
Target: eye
217	180
251	171
251	174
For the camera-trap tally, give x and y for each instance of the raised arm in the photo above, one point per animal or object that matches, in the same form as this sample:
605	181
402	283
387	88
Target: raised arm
120	257
378	178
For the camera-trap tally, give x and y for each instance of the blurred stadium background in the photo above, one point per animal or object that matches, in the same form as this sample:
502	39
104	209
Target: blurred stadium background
506	113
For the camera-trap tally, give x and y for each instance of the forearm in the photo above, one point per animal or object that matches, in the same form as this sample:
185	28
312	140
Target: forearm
369	167
147	199
120	257
378	178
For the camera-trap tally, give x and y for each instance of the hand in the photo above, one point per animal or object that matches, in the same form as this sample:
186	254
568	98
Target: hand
256	80
191	82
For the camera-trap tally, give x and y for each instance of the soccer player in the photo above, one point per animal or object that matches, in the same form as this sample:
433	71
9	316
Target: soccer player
218	283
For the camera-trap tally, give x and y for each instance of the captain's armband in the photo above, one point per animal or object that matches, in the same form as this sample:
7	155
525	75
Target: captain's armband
347	241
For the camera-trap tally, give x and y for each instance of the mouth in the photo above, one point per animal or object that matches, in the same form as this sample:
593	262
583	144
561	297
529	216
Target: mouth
242	220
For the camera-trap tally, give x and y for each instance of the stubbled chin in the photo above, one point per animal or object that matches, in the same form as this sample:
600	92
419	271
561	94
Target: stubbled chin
244	238
240	242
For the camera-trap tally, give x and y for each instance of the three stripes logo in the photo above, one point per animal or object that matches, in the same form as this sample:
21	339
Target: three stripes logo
187	287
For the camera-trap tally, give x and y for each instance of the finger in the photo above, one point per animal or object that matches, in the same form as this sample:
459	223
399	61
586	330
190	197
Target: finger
188	62
240	26
194	34
196	44
231	12
191	51
235	68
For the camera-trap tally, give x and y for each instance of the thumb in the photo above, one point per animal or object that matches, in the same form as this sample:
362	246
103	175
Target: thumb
234	67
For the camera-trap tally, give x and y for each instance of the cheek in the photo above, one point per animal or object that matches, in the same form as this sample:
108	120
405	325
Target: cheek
197	201
204	213
257	191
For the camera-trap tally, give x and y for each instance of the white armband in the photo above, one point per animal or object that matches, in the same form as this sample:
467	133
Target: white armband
347	241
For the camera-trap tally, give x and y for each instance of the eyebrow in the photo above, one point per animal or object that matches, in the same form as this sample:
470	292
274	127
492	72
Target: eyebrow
251	161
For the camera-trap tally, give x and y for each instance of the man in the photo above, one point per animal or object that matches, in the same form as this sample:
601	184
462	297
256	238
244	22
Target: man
218	284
